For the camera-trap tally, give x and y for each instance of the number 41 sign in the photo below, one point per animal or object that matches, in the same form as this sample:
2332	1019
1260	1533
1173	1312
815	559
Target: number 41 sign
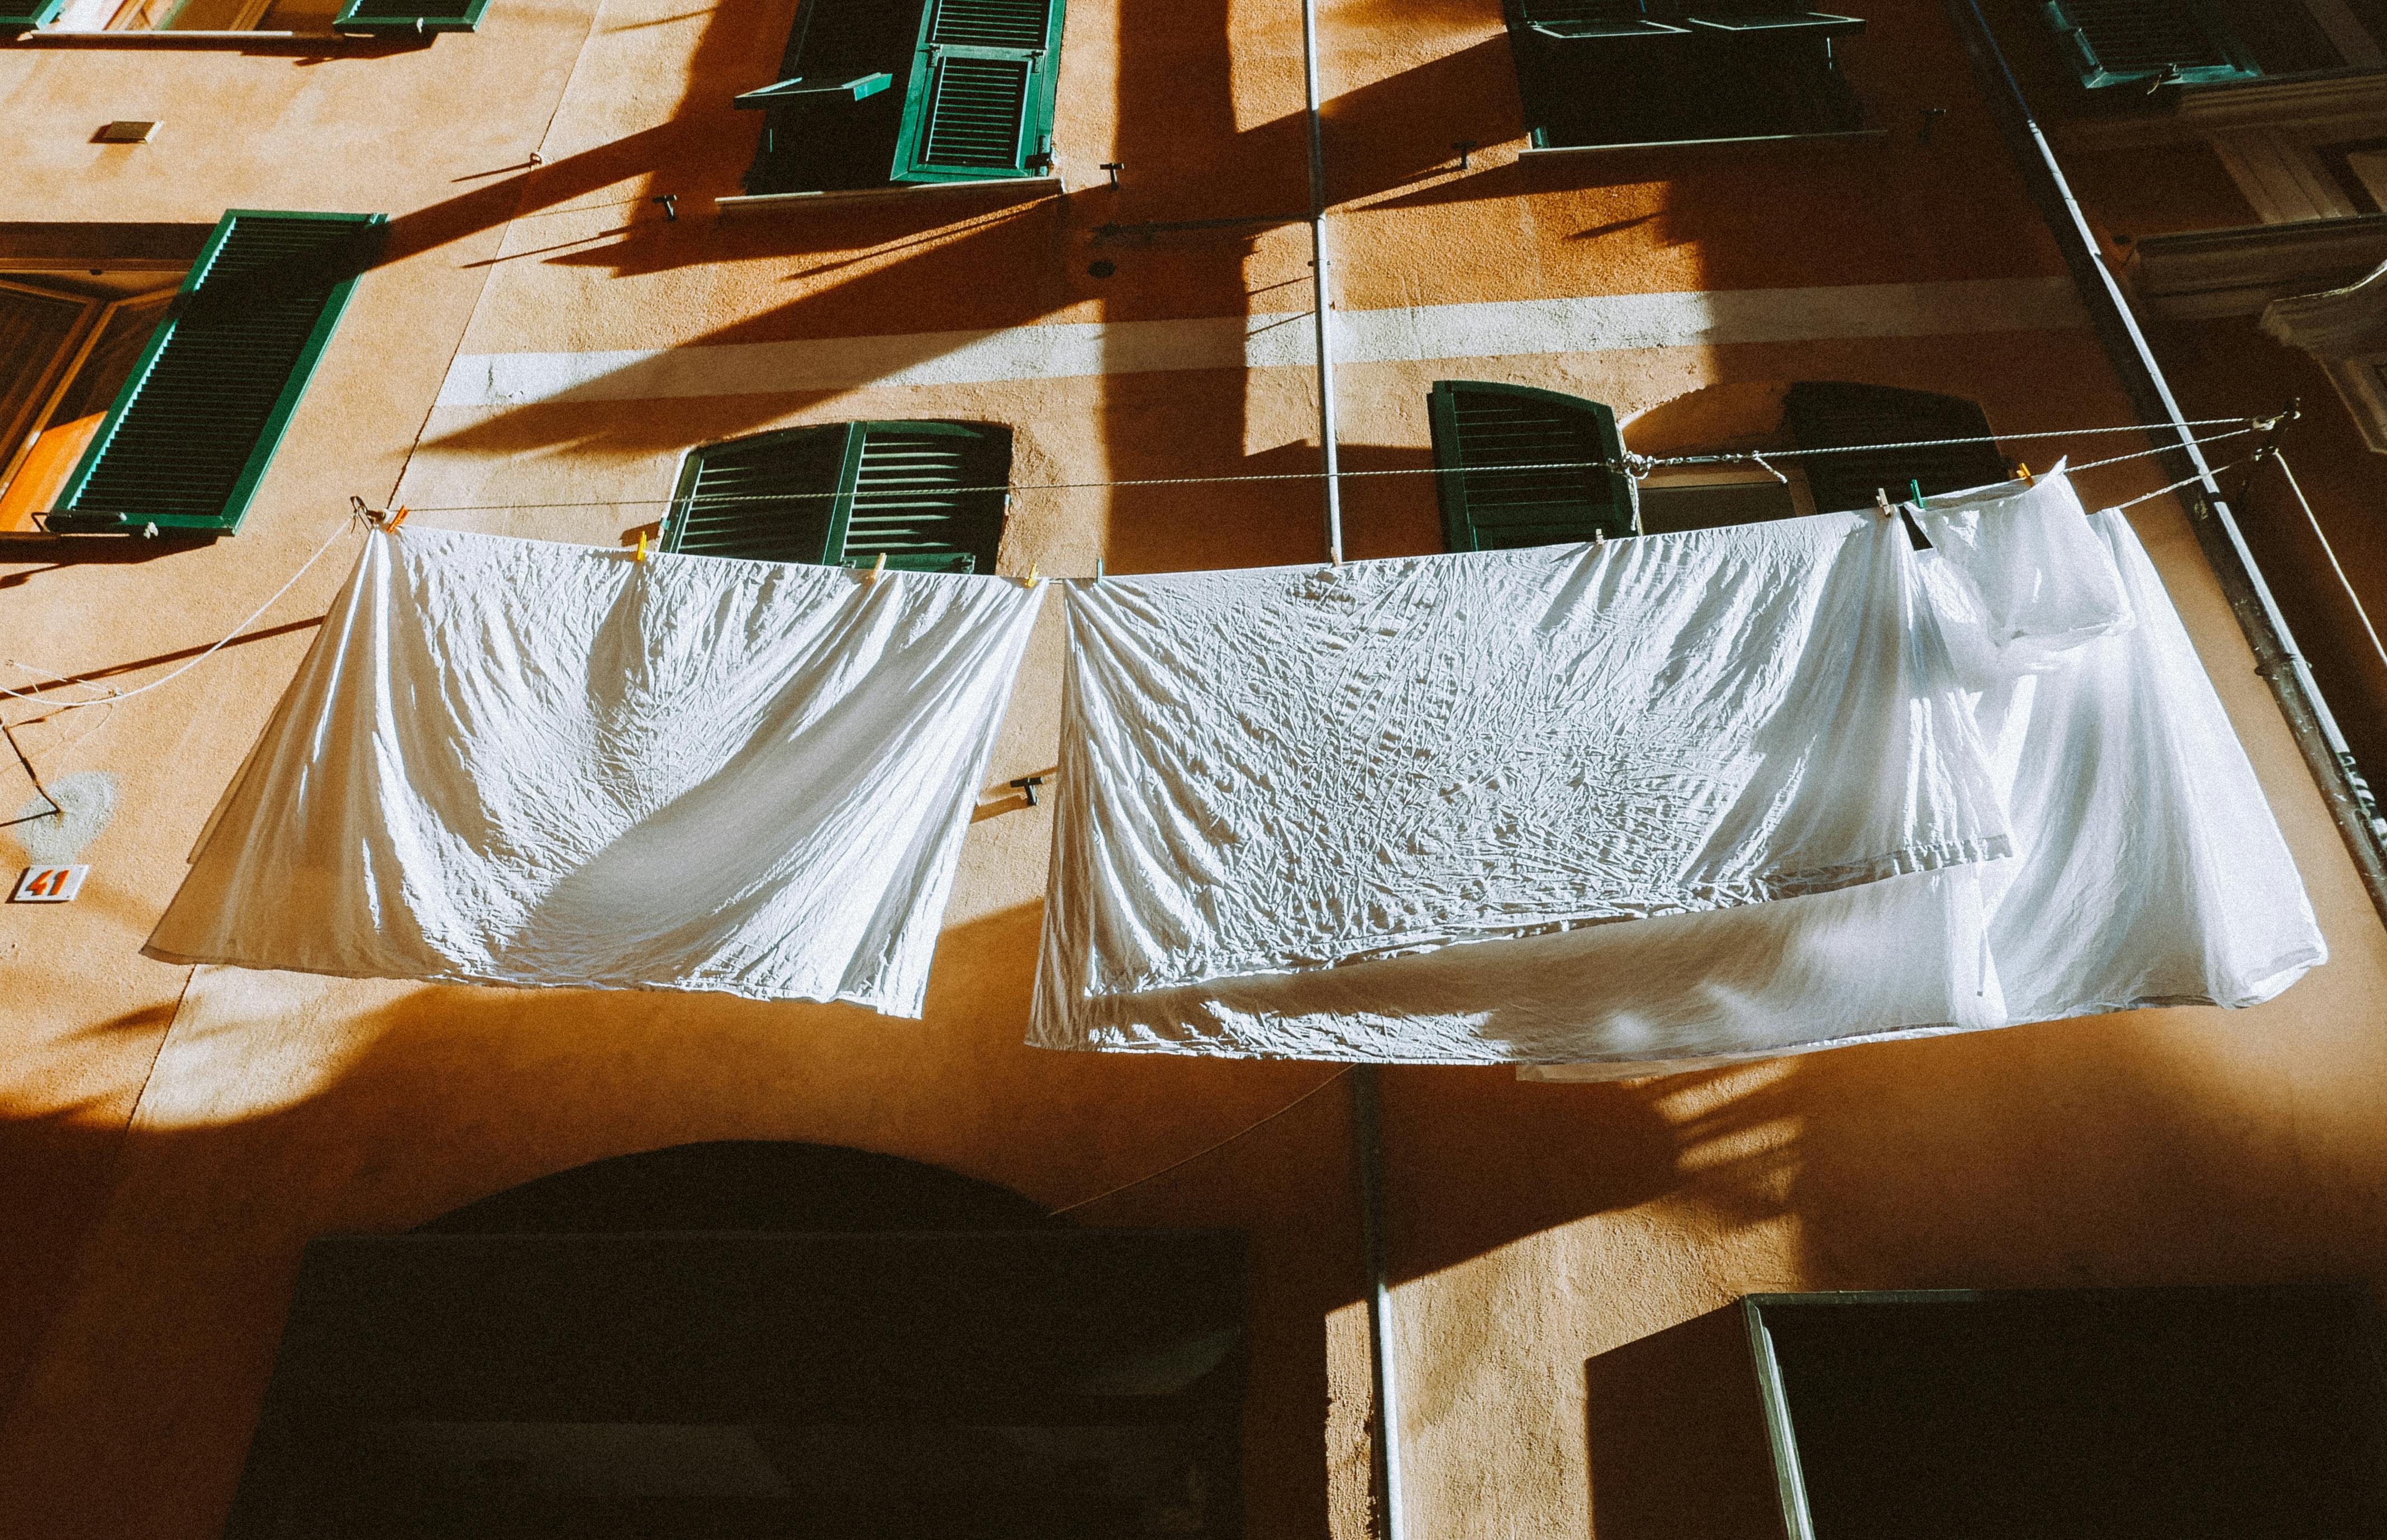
49	884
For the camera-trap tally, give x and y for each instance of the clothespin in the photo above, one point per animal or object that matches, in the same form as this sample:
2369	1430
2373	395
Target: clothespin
2022	469
1032	578
395	520
1914	492
1881	502
640	555
1098	569
877	566
1598	536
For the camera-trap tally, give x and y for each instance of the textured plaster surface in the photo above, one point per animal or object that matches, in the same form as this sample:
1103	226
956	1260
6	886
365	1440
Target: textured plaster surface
165	1154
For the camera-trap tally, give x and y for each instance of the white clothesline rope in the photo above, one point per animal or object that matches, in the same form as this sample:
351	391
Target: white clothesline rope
1635	465
114	694
2330	551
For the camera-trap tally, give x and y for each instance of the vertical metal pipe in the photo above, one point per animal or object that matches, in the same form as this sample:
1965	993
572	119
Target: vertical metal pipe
1321	287
2277	657
1368	1147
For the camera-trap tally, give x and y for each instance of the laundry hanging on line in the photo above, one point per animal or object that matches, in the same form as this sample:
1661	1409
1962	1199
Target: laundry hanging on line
1294	770
2116	898
514	761
2150	871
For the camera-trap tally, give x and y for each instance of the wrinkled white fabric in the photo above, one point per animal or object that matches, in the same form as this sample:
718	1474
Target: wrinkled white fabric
2150	869
2043	580
1284	770
513	761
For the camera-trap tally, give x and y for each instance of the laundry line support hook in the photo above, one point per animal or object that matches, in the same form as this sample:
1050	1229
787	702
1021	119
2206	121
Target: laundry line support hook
57	809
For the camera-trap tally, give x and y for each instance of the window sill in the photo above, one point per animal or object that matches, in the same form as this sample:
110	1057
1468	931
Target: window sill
1015	188
273	42
2203	274
1551	152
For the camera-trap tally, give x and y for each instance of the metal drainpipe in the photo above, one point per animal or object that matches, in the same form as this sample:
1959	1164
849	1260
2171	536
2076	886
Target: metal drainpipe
1319	285
1368	1149
1367	1118
2276	657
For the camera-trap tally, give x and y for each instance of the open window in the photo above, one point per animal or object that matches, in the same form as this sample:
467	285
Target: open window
137	404
878	93
1837	415
359	17
2146	44
1525	467
1614	72
929	497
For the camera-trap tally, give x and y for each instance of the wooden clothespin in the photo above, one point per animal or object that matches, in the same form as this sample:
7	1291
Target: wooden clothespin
877	566
640	555
1033	578
2022	469
1881	502
395	520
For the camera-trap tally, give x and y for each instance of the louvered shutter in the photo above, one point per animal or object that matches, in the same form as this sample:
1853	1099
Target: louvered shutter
929	497
23	16
410	16
1831	414
1556	497
980	97
2133	41
189	437
773	497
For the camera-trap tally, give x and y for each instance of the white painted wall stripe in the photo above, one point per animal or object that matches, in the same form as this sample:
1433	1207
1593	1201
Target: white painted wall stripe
1492	329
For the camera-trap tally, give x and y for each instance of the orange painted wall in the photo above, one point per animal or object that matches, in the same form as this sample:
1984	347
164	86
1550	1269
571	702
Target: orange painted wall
172	1138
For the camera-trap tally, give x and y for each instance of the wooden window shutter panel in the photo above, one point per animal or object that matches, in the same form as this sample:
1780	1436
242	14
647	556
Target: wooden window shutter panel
929	496
189	435
776	497
926	496
2112	43
1479	427
23	16
406	18
1825	414
979	102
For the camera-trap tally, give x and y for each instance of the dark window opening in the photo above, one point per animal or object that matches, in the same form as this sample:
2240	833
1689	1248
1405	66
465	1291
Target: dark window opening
1835	414
1658	71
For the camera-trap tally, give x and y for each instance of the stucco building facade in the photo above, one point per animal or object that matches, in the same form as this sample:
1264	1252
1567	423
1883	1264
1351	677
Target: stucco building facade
595	260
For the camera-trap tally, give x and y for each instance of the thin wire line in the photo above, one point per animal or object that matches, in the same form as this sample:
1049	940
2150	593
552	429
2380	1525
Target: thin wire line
2184	481
115	695
2164	449
1214	1149
1631	465
2330	551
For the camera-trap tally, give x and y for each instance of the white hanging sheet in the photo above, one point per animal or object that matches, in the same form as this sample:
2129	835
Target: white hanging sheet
1306	772
513	761
2150	871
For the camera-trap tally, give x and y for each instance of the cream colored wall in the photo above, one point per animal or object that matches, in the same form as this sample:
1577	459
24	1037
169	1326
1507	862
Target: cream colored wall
174	1137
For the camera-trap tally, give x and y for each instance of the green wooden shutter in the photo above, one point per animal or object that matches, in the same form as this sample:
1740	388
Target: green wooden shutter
1479	428
189	435
1825	414
980	97
23	16
2136	42
408	17
776	497
929	497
